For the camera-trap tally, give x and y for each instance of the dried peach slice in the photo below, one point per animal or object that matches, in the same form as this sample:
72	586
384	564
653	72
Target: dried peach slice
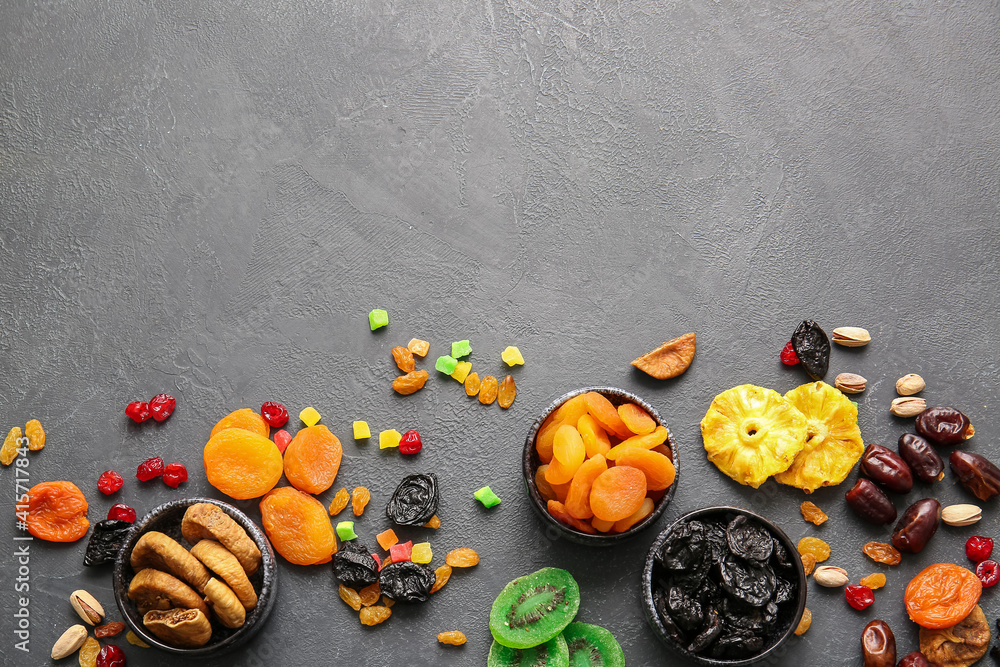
242	464
668	360
312	459
244	418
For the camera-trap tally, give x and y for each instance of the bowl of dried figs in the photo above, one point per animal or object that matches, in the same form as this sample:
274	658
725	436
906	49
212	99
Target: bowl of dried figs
724	586
599	465
195	577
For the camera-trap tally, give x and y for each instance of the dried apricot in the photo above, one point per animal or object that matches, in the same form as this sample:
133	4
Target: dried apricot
812	513
808	563
35	434
57	512
312	459
452	638
370	594
873	581
359	499
645	509
472	384
594	438
374	615
558	511
411	382
244	418
340	500
462	557
670	359
815	546
568	449
570	413
11	446
298	526
658	469
604	412
578	497
941	595
602	526
648	441
350	596
805	622
403	358
636	419
441	577
242	464
488	390
880	552
507	392
617	493
544	488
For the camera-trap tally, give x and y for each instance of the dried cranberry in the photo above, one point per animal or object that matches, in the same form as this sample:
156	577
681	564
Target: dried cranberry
109	482
788	356
162	406
149	469
121	512
174	474
988	572
110	656
410	443
281	439
978	548
274	414
858	596
137	411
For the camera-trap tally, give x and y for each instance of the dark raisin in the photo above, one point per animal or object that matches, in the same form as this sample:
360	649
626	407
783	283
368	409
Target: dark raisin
106	541
406	581
414	501
812	347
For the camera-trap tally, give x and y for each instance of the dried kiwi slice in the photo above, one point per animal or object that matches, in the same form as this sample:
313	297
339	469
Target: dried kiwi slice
533	609
553	653
593	646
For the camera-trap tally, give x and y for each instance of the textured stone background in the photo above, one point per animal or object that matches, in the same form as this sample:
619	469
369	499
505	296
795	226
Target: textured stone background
206	198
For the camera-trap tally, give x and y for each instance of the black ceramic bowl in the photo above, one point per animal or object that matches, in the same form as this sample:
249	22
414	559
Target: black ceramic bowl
531	462
789	614
167	519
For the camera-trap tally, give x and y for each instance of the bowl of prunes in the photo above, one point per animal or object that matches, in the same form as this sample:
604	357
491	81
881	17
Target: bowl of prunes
599	465
723	586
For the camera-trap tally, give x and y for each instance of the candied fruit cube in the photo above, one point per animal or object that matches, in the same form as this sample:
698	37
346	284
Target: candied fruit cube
421	553
418	347
512	356
361	430
309	416
378	318
390	438
400	552
486	496
386	539
461	348
446	364
345	530
462	369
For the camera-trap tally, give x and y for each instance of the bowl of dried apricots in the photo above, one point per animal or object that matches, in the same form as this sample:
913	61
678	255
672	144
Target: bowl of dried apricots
599	465
195	577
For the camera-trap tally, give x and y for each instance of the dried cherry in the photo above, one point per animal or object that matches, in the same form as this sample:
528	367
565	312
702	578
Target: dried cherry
922	458
859	597
109	482
974	472
110	656
410	443
275	414
812	347
414	501
162	406
988	572
149	469
174	474
406	581
917	526
137	411
978	548
915	659
944	426
886	467
868	502
122	512
788	355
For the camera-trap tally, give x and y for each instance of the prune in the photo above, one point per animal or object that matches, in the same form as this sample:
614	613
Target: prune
878	645
780	555
751	583
354	566
784	590
886	467
868	502
915	659
106	541
944	426
414	501
812	347
749	541
660	603
406	581
712	630
917	526
684	609
685	548
922	458
979	477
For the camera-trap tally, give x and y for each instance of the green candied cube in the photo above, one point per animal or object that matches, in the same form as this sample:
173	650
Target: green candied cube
461	348
486	496
446	364
377	319
345	530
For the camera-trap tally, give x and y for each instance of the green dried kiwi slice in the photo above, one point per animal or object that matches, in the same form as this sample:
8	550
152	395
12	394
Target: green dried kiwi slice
553	653
592	646
534	608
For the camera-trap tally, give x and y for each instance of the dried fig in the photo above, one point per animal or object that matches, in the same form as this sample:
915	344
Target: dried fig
224	603
161	552
183	628
960	645
151	589
207	521
224	564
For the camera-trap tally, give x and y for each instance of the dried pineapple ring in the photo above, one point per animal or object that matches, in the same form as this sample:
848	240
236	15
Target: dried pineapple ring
833	444
752	432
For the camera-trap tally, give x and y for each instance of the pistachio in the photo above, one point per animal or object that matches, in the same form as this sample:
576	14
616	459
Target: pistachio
910	384
850	383
908	406
831	576
87	606
851	336
961	515
70	642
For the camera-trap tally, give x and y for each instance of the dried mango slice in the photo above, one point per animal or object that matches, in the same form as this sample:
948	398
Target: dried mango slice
751	433
833	441
670	359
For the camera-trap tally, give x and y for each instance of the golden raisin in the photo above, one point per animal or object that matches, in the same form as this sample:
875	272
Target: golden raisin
874	581
374	615
462	557
434	522
814	546
488	390
812	513
359	499
350	596
370	594
507	392
9	450
386	602
89	651
134	640
452	638
441	577
404	359
36	435
109	629
807	619
880	552
411	382
808	563
472	384
339	502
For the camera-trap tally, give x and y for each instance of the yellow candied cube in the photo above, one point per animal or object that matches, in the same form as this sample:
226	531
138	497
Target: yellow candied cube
462	370
421	553
389	438
361	430
418	347
512	356
309	416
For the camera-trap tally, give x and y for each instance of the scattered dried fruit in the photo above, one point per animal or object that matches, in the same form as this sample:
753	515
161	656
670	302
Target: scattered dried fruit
377	318
512	356
242	464
411	382
507	392
418	347
162	406
960	645
878	645
57	512
887	468
110	656
403	358
814	546
880	552
350	596
804	622
106	540
36	435
109	482
462	557
441	576
312	459
149	469
109	629
488	390
134	640
410	443
944	426
11	446
414	501
808	563
787	355
374	615
812	513
670	359
359	499
174	474
88	652
472	384
873	581
274	413
340	500
138	411
976	473
941	595
978	548
917	526
868	502
812	347
452	638
859	597
988	572
298	526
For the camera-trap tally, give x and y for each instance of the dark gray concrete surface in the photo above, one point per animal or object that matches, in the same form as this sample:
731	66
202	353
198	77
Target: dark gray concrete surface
206	198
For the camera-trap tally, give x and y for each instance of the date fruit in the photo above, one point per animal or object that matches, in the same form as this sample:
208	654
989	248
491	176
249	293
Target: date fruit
915	659
979	477
878	645
868	502
885	467
917	526
944	426
922	458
